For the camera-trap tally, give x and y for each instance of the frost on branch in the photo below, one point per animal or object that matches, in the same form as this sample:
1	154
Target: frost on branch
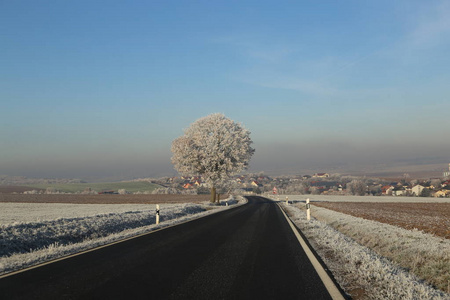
214	147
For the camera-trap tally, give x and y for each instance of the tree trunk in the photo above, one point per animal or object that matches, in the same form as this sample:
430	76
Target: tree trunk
218	197
213	195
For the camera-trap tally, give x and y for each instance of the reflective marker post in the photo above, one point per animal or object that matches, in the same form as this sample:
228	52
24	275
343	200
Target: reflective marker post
157	213
308	210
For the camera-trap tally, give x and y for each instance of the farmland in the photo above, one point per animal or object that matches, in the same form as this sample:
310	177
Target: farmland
433	218
131	186
371	257
380	250
104	199
38	228
366	199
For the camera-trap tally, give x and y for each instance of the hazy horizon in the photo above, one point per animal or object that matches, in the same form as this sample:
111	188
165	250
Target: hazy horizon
95	91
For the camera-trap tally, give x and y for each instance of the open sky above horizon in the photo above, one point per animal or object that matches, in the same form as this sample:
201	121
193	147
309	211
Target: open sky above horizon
101	89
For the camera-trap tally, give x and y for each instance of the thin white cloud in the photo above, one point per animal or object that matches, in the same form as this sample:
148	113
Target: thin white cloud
261	49
280	65
291	83
275	65
433	27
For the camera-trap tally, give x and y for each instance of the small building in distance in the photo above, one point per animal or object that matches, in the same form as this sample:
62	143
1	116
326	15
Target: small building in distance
443	193
447	173
321	175
417	190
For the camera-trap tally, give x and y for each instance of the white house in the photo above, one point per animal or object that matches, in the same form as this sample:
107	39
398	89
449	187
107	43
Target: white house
321	175
417	190
398	191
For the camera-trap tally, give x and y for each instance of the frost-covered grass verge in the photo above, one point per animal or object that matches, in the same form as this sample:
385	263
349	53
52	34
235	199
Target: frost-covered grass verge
423	254
14	213
24	244
359	269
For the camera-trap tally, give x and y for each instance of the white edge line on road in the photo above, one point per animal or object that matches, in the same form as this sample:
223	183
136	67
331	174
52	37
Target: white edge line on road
110	244
329	284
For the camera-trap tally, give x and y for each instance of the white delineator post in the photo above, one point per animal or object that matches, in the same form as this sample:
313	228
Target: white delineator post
308	210
157	213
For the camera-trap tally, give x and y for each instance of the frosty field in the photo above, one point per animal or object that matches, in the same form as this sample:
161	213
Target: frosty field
433	218
131	186
378	199
32	233
369	258
104	199
376	260
36	212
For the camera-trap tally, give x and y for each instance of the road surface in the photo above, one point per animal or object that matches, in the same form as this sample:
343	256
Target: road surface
248	252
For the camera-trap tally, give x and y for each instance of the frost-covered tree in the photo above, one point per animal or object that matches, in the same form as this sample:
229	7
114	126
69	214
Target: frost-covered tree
225	187
122	191
357	187
425	192
214	147
436	183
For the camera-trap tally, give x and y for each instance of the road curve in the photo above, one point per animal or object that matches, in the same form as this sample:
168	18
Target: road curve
248	252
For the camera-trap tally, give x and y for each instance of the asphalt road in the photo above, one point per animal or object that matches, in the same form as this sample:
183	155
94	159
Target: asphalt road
248	252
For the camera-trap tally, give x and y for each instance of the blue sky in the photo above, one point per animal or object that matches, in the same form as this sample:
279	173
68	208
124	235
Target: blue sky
100	89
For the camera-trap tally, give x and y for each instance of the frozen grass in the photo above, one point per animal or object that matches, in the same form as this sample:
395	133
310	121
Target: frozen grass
432	218
423	254
38	212
359	269
28	243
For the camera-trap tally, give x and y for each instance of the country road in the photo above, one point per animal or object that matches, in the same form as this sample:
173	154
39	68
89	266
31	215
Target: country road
248	252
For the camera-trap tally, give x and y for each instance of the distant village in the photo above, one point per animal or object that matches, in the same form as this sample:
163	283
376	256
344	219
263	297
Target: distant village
316	184
259	183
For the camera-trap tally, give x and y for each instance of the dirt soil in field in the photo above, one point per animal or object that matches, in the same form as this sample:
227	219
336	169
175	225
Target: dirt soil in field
432	218
9	189
106	199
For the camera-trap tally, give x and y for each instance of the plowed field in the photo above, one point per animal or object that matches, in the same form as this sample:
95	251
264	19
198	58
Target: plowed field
105	199
432	218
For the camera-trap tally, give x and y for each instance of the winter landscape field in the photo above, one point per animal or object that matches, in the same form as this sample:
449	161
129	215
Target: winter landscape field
131	186
433	218
33	233
380	250
376	247
104	199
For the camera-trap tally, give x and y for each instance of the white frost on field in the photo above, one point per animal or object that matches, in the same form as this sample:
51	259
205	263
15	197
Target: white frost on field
339	198
46	232
37	212
356	266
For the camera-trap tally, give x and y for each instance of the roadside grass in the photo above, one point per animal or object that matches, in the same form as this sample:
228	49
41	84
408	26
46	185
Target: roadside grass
20	237
432	218
40	235
350	248
131	186
424	255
